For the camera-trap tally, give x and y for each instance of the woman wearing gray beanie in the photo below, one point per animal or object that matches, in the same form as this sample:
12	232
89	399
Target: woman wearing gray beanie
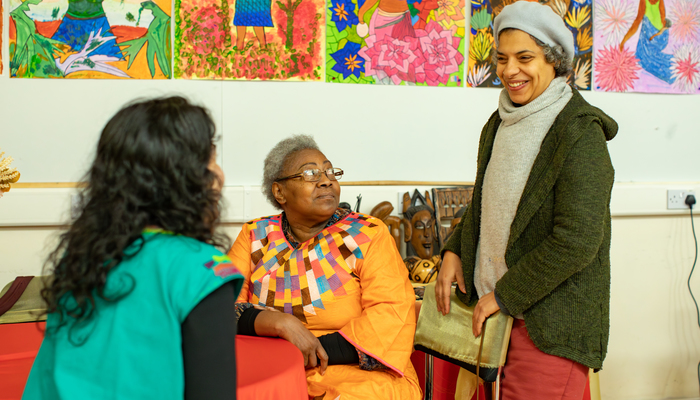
535	242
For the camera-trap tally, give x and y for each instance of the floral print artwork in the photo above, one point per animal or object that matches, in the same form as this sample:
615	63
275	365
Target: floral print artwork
73	39
650	46
577	15
420	44
249	39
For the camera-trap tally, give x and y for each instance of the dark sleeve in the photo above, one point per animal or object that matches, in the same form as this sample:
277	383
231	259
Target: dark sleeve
339	350
503	308
209	347
246	318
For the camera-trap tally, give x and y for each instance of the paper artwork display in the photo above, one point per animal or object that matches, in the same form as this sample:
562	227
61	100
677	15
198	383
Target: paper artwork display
90	39
249	39
395	42
577	16
650	46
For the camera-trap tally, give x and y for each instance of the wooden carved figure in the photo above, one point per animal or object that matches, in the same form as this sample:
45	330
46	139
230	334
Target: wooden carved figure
419	235
383	211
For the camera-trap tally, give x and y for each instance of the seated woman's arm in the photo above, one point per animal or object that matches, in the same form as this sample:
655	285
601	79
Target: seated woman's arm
338	349
268	322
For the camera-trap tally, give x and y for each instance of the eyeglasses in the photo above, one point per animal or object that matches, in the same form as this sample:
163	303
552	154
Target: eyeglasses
314	175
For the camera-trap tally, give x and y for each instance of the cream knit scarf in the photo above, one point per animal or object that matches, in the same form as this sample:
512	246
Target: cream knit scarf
517	143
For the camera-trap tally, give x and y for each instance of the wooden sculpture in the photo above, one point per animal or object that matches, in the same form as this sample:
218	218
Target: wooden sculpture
450	204
420	237
7	175
383	211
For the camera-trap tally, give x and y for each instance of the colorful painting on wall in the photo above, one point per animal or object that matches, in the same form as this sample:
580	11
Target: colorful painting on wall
577	17
395	42
103	39
249	39
648	46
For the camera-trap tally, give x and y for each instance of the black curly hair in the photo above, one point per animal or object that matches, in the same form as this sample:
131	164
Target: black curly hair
151	169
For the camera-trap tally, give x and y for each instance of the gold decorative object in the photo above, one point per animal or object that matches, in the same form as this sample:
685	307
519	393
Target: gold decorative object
7	175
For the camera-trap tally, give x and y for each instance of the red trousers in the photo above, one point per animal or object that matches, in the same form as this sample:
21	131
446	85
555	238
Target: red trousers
532	374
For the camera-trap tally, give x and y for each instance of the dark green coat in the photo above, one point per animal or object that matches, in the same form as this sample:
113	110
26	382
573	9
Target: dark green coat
558	251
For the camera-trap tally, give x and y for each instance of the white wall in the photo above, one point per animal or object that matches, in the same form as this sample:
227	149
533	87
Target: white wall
51	127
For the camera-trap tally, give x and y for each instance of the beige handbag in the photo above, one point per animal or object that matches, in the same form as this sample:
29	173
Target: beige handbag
21	301
450	337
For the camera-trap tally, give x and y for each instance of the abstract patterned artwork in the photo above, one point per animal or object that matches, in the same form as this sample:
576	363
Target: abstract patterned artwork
577	15
395	42
90	39
249	39
648	46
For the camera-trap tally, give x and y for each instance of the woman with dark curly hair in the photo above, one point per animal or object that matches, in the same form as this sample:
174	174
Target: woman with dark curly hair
141	304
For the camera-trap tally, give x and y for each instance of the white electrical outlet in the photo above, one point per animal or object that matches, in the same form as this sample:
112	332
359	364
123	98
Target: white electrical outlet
676	199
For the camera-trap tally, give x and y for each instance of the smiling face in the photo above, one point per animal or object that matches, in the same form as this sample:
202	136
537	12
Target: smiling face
311	202
522	66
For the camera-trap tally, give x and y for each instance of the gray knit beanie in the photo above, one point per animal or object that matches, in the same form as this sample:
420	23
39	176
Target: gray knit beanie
538	20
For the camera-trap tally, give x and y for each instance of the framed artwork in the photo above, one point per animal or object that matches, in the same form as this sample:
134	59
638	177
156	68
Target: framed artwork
648	46
577	15
249	39
104	39
395	42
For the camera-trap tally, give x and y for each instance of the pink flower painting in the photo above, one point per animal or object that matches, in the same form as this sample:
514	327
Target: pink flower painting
617	69
392	58
685	65
440	51
686	15
429	58
643	47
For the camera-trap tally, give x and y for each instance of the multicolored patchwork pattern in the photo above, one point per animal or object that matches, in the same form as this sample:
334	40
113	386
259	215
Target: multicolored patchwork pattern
298	280
222	266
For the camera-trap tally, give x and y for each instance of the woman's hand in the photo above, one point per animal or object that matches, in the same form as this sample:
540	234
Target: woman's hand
486	306
450	271
296	333
271	322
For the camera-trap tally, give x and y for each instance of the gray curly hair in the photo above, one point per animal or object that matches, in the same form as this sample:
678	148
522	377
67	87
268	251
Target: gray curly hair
276	159
553	54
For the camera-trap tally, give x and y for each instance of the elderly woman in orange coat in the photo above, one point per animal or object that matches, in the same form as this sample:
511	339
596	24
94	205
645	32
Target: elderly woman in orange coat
328	280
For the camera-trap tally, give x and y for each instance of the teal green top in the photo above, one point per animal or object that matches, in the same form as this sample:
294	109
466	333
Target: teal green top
132	347
558	251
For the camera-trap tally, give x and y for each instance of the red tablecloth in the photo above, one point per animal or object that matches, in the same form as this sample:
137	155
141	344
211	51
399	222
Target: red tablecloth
267	368
19	344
